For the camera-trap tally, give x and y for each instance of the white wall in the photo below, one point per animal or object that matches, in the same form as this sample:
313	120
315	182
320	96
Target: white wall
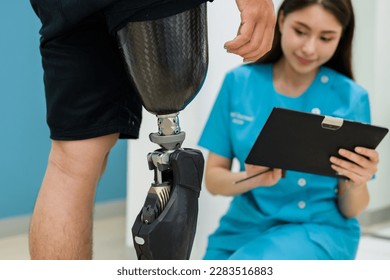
371	72
371	66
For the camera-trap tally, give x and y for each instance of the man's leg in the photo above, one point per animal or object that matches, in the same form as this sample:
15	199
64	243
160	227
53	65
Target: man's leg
61	226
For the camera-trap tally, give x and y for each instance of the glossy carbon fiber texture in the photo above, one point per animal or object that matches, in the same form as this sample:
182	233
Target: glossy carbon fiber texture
167	59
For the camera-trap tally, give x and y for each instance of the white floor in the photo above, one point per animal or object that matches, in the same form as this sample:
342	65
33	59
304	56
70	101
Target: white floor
109	243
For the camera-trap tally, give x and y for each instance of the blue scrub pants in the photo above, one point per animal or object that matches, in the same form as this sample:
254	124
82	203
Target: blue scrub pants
285	242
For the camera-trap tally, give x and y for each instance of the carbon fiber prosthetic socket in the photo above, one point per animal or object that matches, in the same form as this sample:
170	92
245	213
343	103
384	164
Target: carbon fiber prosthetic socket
167	61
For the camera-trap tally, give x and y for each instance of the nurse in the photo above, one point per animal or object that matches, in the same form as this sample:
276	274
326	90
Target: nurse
299	216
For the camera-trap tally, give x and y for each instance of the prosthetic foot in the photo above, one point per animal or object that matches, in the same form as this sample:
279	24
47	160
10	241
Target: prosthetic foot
167	61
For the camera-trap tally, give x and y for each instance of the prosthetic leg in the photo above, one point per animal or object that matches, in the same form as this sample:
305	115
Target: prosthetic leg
167	61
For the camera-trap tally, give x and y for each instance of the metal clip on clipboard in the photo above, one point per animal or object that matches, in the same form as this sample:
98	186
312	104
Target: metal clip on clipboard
332	123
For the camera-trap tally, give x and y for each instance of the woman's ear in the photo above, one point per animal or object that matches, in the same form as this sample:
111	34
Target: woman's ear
280	21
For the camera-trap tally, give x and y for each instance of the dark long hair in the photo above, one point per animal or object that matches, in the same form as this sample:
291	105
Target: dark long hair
341	61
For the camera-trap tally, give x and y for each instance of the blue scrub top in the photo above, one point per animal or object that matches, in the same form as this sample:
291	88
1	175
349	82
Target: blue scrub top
244	102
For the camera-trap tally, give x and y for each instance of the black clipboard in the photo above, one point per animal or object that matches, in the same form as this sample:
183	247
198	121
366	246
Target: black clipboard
295	140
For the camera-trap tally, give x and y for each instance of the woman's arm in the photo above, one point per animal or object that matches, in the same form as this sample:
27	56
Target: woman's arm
220	179
352	199
362	164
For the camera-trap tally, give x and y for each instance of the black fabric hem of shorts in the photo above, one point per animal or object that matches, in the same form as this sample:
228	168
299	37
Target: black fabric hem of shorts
124	133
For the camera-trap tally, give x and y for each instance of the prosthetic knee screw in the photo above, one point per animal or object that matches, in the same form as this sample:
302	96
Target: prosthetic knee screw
167	61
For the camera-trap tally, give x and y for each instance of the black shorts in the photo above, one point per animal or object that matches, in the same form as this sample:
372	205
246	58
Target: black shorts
88	92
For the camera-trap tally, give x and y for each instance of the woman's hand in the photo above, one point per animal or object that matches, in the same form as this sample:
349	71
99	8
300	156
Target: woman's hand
360	166
221	180
267	179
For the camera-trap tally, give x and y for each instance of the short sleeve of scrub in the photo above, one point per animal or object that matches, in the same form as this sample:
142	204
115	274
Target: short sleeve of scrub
216	134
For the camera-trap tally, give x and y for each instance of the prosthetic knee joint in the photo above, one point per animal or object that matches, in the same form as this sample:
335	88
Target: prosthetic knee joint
167	61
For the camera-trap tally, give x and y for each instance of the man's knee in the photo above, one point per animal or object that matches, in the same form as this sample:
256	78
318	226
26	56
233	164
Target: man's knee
82	158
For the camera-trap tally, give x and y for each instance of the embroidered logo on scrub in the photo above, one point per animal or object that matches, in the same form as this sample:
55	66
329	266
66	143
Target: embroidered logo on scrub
240	119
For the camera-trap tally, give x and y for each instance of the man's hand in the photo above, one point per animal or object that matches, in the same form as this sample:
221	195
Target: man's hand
255	34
